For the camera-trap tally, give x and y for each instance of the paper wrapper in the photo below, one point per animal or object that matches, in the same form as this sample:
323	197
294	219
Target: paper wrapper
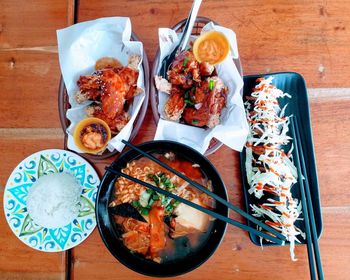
79	47
233	127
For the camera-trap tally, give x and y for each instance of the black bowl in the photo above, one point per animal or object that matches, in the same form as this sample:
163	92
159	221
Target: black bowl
109	232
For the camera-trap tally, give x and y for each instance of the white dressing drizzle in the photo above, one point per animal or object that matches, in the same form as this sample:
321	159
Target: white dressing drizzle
270	169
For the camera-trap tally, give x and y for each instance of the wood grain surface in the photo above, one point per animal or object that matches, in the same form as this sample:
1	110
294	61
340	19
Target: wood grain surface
307	36
29	75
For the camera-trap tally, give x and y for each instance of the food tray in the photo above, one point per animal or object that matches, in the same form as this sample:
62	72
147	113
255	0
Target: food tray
63	106
294	84
199	24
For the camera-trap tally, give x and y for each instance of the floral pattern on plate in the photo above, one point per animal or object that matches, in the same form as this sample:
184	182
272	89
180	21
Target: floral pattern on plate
22	179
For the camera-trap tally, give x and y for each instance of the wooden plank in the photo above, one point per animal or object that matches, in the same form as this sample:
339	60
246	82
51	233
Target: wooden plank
330	124
28	89
31	23
18	261
309	37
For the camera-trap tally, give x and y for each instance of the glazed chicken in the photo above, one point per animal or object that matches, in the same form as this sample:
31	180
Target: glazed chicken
184	70
197	94
175	104
110	88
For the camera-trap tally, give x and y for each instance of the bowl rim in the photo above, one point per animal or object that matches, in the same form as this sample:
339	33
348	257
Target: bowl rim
63	104
106	181
153	92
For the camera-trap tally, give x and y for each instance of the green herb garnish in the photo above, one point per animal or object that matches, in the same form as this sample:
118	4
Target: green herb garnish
211	84
194	121
185	61
144	212
154	178
135	203
188	100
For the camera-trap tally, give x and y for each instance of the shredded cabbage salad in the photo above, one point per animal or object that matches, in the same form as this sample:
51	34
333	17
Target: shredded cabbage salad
270	170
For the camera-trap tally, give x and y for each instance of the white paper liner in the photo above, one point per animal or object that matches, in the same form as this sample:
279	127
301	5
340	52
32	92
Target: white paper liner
79	47
233	127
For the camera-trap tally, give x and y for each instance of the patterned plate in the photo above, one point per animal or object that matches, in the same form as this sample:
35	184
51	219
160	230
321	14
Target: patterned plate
22	179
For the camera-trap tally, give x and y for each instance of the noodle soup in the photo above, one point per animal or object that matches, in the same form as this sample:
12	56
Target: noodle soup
152	225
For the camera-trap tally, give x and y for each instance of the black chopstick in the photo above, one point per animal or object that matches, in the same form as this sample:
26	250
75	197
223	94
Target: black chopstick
198	207
206	191
307	204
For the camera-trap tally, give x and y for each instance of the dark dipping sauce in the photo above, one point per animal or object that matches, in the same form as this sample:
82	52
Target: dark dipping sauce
94	136
179	230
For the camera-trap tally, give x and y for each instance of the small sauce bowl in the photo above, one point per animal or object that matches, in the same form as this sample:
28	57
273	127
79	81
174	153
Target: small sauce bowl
91	135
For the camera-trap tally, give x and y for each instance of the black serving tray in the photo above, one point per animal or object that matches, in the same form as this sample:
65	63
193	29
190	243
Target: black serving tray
294	84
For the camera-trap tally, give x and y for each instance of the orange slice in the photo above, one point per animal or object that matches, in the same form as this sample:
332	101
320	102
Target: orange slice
212	47
91	135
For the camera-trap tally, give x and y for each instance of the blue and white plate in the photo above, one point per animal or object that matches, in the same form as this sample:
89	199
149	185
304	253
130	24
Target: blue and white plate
22	179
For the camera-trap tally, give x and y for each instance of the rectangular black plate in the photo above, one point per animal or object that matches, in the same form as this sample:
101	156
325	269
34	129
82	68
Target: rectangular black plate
294	84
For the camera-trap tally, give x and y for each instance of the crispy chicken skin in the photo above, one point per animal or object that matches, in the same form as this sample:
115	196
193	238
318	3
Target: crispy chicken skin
196	117
113	89
212	103
184	70
129	76
175	105
115	124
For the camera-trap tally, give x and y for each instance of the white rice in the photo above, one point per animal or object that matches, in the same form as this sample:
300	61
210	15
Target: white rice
54	200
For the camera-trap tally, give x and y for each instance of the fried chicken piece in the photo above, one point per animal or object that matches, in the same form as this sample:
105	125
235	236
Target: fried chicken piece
93	87
162	84
216	101
175	105
206	69
212	103
114	91
196	117
184	70
115	124
129	76
200	93
107	62
89	89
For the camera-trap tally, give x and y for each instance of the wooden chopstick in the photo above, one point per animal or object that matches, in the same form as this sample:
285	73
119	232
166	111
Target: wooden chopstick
198	207
307	206
206	191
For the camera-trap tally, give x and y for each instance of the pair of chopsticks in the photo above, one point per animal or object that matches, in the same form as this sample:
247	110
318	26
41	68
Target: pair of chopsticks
306	202
271	234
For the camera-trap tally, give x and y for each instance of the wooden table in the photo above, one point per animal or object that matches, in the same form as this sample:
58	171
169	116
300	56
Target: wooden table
311	37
